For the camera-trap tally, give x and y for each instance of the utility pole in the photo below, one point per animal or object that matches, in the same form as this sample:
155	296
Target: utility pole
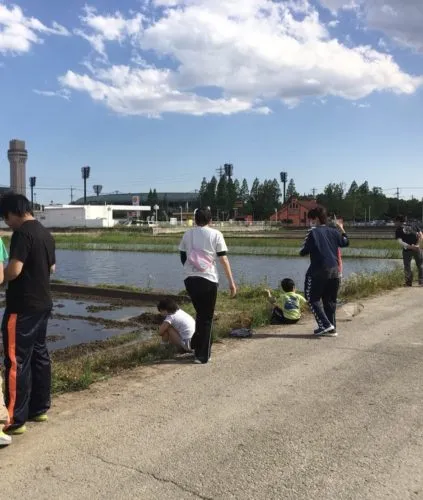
220	171
314	193
71	190
398	194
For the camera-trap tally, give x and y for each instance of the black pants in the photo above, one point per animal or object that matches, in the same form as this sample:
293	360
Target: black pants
278	318
322	288
28	367
203	294
407	257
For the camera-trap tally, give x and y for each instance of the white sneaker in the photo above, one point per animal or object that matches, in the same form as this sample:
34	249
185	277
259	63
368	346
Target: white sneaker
4	439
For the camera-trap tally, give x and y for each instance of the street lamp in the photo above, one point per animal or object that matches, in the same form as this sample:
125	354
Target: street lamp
32	182
85	175
180	208
156	208
284	180
276	215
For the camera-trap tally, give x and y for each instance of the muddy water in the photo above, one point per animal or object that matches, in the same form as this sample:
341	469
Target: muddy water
75	322
164	271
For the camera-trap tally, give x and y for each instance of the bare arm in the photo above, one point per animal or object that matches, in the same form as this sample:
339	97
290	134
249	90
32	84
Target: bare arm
270	297
13	270
1	273
53	269
228	272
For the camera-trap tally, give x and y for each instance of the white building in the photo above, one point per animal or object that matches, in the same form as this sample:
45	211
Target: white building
57	216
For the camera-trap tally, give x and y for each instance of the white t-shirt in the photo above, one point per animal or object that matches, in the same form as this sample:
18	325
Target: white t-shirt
210	241
183	323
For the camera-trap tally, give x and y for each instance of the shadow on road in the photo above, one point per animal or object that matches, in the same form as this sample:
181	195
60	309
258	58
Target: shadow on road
284	336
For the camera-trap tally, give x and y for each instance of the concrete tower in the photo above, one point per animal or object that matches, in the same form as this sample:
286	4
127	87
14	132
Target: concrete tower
17	155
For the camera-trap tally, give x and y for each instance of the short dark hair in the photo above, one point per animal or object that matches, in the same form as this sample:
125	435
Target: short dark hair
400	218
318	213
288	285
203	216
168	305
14	204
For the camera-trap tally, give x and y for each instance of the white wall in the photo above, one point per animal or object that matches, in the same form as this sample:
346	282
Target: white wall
76	216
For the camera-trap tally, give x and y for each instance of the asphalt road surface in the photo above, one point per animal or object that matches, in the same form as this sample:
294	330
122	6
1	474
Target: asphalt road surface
280	416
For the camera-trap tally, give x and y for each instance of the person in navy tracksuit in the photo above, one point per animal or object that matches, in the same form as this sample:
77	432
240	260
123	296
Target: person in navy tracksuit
322	281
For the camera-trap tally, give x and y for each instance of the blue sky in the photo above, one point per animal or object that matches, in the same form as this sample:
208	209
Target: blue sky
159	93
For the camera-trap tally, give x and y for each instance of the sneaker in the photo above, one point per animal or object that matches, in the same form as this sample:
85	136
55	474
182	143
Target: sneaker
324	331
198	361
40	418
5	440
332	333
17	431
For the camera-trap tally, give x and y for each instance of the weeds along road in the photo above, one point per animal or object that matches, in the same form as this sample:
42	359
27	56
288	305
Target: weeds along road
280	416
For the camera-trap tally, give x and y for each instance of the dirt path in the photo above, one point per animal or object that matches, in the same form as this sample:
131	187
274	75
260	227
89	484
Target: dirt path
281	416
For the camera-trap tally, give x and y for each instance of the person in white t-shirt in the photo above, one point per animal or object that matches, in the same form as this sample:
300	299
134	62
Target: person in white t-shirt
178	326
200	247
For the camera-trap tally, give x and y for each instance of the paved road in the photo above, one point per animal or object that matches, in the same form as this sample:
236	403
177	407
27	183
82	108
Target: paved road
281	416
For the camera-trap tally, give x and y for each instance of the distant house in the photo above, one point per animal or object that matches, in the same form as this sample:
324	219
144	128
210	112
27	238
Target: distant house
294	212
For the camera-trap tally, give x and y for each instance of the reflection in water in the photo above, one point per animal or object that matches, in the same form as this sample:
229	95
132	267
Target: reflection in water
164	271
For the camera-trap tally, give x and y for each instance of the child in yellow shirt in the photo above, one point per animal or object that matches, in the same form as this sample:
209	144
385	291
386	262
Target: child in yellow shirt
291	303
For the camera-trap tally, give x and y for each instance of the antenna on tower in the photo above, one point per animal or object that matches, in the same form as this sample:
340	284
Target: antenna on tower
229	170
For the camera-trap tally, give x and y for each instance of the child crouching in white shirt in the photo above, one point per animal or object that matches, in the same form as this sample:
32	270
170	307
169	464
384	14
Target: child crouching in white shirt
178	327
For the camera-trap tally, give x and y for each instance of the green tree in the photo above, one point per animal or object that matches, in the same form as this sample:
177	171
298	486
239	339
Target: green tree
291	189
244	192
210	197
231	197
221	194
202	195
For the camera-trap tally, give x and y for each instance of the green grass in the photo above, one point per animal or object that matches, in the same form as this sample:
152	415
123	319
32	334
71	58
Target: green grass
131	238
248	309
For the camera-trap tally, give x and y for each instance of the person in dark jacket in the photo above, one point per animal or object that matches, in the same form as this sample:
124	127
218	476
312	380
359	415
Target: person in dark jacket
322	281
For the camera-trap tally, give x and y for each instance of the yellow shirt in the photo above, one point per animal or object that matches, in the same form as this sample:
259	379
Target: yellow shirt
291	305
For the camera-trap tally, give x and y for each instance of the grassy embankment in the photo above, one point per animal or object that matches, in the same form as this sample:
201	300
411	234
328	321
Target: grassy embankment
78	370
239	245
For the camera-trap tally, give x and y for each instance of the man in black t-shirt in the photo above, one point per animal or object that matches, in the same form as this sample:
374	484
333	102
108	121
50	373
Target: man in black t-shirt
28	308
409	237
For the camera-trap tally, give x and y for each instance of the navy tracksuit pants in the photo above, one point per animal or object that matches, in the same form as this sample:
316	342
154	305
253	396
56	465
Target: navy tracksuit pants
28	366
321	292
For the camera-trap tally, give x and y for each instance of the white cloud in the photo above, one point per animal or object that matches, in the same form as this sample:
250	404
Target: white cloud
63	93
149	92
361	105
203	45
108	28
18	32
401	20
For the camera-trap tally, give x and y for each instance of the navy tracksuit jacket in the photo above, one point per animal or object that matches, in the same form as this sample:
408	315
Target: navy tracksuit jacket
322	243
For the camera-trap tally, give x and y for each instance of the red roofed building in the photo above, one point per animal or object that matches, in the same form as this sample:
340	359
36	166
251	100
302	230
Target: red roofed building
294	212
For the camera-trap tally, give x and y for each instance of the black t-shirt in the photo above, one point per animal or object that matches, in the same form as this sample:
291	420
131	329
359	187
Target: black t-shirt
408	234
33	245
